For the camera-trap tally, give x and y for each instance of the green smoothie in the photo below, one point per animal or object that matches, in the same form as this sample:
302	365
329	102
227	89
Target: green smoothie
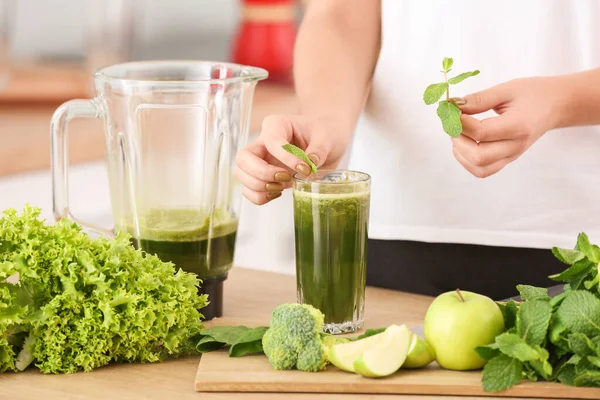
187	238
331	250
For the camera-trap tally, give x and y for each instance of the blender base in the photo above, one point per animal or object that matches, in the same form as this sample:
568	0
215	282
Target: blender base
213	287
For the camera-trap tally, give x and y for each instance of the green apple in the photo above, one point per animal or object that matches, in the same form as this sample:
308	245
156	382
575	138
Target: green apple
420	354
387	355
456	323
343	355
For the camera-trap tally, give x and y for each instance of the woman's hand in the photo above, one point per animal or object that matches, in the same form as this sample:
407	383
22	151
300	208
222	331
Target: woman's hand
527	109
264	168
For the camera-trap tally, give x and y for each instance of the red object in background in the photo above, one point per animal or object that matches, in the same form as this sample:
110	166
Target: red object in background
266	36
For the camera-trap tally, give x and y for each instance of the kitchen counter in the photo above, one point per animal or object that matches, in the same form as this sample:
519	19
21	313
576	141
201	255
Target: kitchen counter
249	296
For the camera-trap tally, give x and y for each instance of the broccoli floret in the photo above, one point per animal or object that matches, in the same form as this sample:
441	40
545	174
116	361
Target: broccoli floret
294	338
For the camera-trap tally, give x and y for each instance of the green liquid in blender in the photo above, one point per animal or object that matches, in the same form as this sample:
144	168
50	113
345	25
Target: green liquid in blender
331	252
186	238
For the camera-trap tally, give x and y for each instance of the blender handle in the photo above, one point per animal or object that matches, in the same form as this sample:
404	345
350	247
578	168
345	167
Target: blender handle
60	157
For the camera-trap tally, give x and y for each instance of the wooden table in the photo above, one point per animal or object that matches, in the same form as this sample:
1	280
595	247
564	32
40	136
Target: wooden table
25	130
250	295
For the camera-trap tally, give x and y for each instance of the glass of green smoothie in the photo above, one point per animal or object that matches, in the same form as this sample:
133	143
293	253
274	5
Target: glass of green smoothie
331	219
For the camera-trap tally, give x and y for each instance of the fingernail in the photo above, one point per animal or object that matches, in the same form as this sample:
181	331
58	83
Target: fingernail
273	196
303	169
459	101
282	177
314	158
274	187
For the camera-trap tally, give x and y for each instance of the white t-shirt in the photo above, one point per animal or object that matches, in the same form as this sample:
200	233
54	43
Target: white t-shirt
419	191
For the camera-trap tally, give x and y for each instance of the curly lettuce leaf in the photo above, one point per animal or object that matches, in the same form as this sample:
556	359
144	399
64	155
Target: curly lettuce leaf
91	302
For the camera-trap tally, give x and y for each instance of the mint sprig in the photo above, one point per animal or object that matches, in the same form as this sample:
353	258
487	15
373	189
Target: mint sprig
552	339
447	110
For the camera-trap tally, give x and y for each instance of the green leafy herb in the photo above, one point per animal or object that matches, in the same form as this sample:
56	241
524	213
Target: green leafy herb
501	373
555	339
249	343
449	114
580	312
447	110
82	303
533	320
514	346
528	292
509	311
241	339
488	352
298	152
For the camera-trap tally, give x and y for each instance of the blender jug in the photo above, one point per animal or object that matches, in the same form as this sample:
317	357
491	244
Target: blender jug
173	129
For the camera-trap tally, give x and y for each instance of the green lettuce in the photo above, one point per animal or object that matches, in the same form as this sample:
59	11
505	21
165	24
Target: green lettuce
82	303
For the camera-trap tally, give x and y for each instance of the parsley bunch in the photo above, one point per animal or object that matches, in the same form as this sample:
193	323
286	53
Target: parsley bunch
447	110
551	338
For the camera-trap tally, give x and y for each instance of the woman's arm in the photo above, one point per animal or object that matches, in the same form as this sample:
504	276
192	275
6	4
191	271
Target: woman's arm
336	51
580	104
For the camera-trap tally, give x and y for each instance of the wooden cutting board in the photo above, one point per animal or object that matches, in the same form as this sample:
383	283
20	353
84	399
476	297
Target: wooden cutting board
217	372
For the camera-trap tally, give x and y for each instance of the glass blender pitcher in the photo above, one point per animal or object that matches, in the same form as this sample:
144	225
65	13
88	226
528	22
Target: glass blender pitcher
173	129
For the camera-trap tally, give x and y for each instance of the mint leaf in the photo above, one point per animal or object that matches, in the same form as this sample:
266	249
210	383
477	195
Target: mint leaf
509	311
531	373
581	345
589	285
514	346
449	113
462	77
588	379
557	300
447	63
567	256
533	320
567	375
543	368
577	282
594	360
580	312
591	251
249	343
557	330
528	292
298	152
434	92
501	373
578	267
488	352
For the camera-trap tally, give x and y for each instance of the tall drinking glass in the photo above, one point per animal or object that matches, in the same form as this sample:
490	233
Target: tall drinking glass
331	219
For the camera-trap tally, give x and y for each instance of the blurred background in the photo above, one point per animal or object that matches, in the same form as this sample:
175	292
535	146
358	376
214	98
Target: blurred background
48	50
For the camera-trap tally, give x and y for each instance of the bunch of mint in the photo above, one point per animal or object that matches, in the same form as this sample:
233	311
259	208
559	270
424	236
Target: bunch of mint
447	110
551	338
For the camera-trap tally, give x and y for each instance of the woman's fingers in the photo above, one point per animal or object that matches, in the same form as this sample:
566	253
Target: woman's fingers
258	185
481	171
483	154
278	131
251	160
259	198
